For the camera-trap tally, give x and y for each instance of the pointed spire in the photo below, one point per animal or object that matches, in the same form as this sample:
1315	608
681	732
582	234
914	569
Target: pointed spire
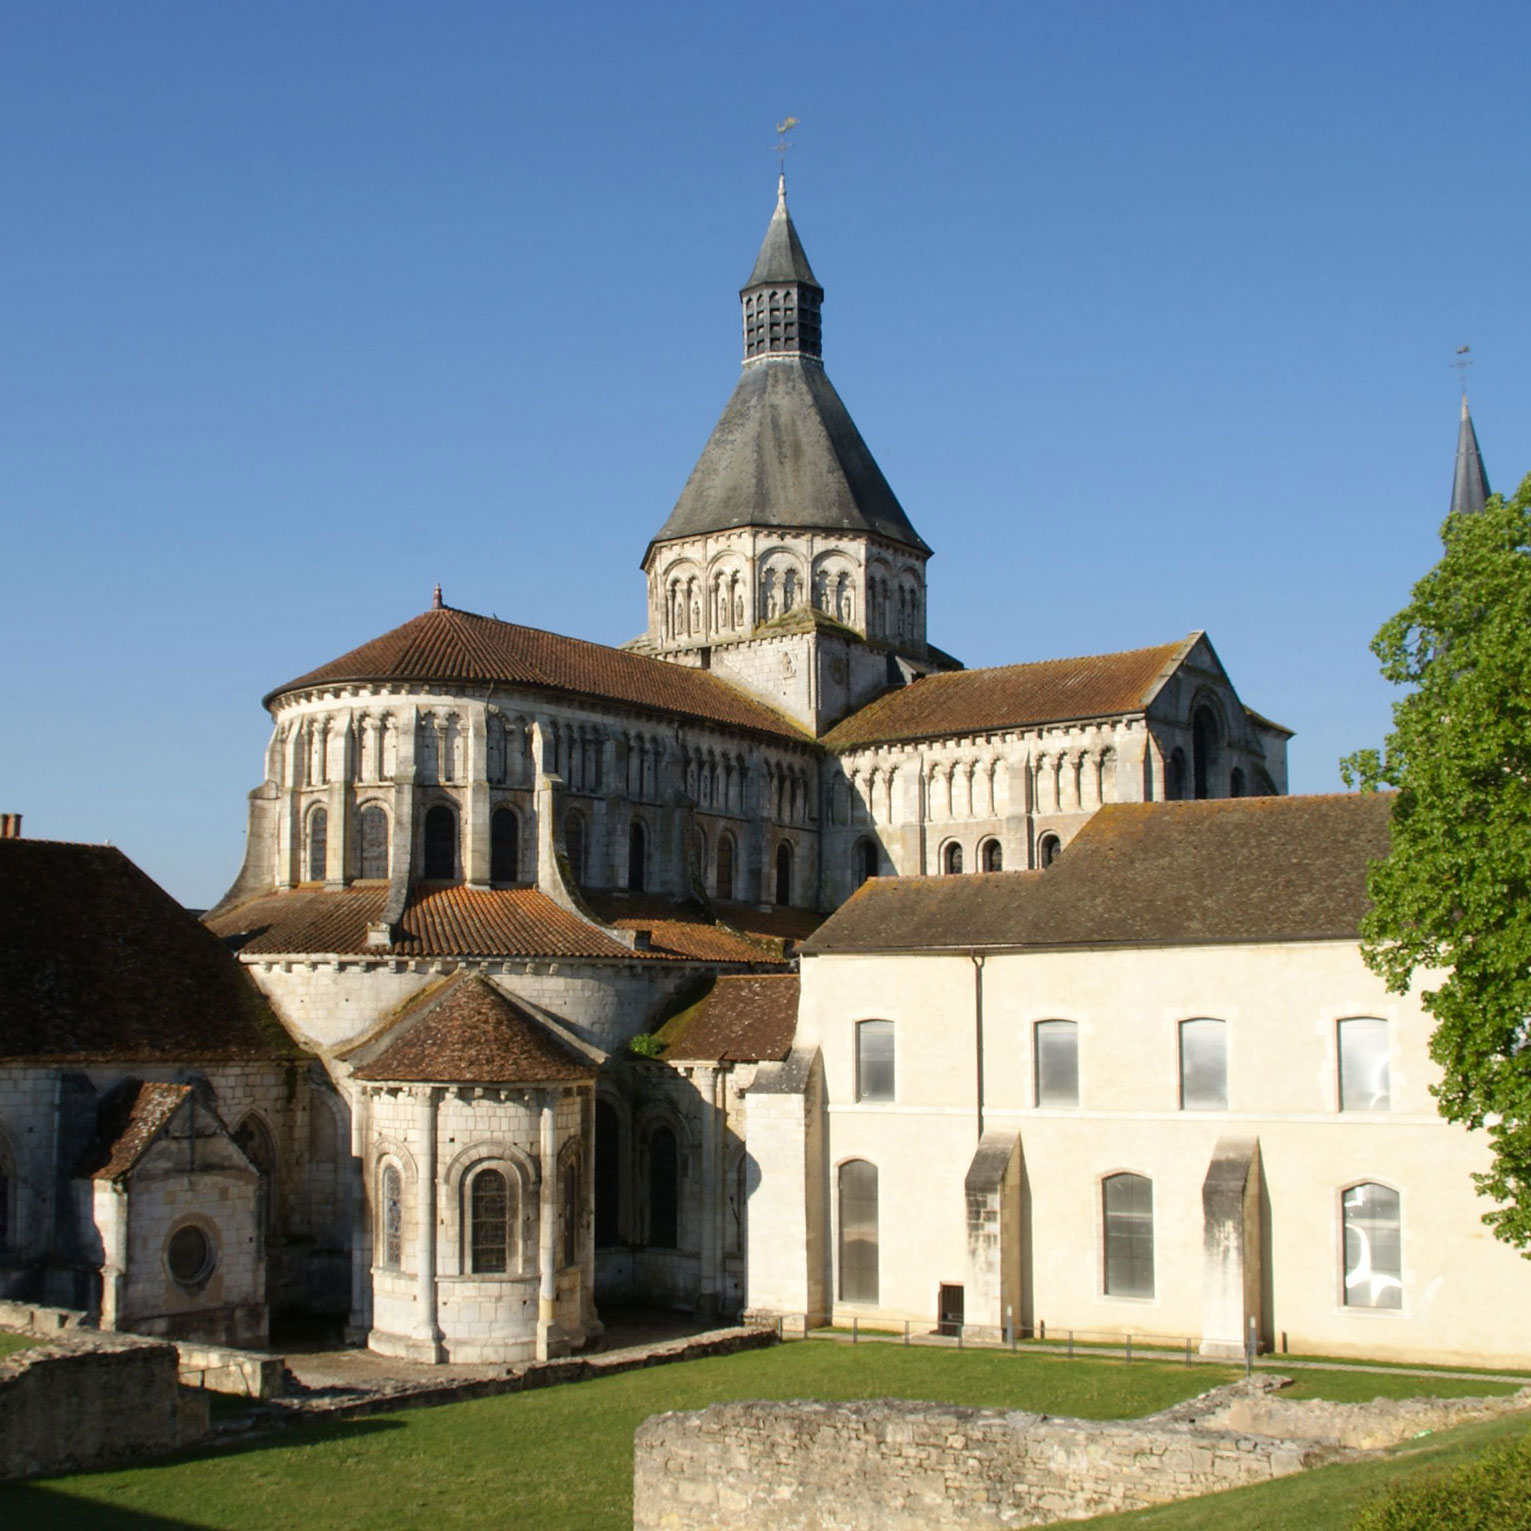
1469	488
436	599
781	258
782	297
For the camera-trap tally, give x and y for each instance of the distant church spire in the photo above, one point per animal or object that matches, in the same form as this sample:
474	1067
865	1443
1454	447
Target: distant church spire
1469	488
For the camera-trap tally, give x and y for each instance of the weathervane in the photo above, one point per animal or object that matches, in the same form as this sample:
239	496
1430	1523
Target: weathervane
1461	364
783	128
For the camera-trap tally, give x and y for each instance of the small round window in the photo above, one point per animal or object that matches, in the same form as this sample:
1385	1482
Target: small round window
190	1255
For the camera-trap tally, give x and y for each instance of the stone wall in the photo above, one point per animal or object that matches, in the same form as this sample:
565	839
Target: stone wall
892	1466
86	1402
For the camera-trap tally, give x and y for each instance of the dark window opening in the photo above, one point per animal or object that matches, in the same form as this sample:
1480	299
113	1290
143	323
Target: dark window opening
866	861
784	873
1236	783
664	1189
440	843
1174	776
372	832
1203	750
608	1176
574	843
318	844
1048	848
637	856
725	866
504	846
951	858
950	1304
993	856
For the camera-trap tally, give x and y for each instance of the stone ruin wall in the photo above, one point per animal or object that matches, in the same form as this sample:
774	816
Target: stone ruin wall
886	1465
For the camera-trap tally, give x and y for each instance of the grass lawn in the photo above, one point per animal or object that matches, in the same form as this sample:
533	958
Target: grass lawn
10	1343
561	1459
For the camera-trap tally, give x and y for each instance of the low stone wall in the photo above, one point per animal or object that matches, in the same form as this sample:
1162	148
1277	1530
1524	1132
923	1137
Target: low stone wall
245	1373
88	1401
893	1466
33	1318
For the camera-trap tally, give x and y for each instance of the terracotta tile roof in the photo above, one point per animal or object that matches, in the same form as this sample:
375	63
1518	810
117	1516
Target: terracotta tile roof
470	1032
130	1119
98	961
452	921
1235	870
444	645
686	929
1011	696
744	1018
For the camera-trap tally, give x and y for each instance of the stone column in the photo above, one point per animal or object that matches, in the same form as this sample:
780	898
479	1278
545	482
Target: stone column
475	776
340	810
427	1331
706	1082
550	1340
290	831
1230	1201
360	1320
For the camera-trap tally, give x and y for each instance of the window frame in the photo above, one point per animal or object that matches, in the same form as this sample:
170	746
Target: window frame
1182	1030
862	1034
388	1244
1119	1177
952	859
1036	1062
316	865
472	1218
1386	1066
860	1266
1395	1277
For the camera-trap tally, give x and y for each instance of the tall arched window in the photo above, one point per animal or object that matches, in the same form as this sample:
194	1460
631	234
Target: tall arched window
255	1143
1204	744
637	856
318	844
504	846
1373	1247
991	856
608	1175
372	834
725	865
440	843
783	873
858	1231
390	1221
866	861
1128	1209
490	1223
951	858
574	842
1048	848
664	1189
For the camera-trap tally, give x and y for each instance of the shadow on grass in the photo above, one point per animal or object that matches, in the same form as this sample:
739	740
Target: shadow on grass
26	1506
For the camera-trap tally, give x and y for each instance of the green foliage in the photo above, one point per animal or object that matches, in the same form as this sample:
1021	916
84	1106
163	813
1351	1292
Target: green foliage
10	1342
1453	899
645	1045
1490	1493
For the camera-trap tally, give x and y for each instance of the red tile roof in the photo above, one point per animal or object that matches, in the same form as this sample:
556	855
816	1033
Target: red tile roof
99	962
743	1018
470	1032
686	929
1011	696
1237	870
451	647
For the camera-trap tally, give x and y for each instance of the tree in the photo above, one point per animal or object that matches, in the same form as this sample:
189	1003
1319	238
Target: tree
1453	898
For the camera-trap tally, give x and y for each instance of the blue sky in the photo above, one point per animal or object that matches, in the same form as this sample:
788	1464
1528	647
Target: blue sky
1147	311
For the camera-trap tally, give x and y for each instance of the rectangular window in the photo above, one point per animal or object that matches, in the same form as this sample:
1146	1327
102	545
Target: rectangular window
1364	1081
1203	1066
1128	1207
1373	1248
1057	1060
874	1060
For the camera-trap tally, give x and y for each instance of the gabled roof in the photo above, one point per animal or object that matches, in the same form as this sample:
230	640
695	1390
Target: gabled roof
782	257
1234	870
447	646
1013	696
787	453
744	1018
132	1118
470	1032
99	962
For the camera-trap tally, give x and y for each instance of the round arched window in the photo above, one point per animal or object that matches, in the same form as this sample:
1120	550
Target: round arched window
190	1255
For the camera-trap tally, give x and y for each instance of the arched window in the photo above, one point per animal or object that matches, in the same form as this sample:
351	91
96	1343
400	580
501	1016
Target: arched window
1236	783
1174	776
874	1060
738	1204
858	1231
574	842
490	1222
1057	1063
1203	1066
255	1143
440	843
1364	1079
372	834
1204	744
1048	848
608	1175
1128	1209
991	856
390	1222
951	857
504	846
725	865
784	873
318	844
637	856
569	1188
1373	1247
866	861
664	1189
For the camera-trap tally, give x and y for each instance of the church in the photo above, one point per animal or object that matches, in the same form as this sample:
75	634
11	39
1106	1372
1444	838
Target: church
533	933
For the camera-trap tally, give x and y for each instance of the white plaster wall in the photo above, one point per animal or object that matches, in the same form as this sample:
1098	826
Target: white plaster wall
1465	1294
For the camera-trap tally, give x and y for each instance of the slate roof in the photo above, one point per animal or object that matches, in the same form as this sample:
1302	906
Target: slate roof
782	257
1469	484
686	929
131	1117
1012	696
99	962
1235	870
786	453
470	1032
744	1018
451	921
451	647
